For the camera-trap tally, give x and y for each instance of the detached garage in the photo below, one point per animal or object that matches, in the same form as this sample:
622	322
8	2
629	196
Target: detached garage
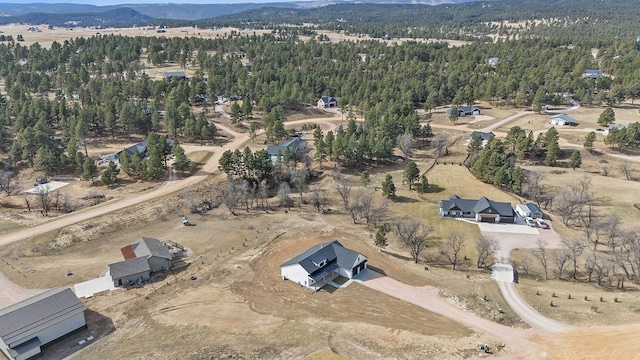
39	320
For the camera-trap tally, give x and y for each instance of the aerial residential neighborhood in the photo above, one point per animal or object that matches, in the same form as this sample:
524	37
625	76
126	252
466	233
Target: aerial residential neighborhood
320	181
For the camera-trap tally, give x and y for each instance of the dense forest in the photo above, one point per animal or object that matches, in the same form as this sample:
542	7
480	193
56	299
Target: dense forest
55	98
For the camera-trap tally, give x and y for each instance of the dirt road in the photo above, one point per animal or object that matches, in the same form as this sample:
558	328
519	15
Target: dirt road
428	297
166	188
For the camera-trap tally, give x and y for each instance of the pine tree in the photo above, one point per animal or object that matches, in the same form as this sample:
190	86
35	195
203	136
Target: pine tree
89	170
576	160
607	117
411	173
181	161
381	238
588	141
365	179
424	184
388	187
110	174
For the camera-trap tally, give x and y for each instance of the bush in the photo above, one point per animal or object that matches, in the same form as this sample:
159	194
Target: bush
569	297
586	298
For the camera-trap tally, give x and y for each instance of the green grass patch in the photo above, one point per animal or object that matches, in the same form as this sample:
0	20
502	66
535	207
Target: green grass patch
198	159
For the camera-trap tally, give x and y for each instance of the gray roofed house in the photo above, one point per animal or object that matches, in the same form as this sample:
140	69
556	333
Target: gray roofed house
39	320
170	75
481	210
322	263
293	145
485	136
617	126
465	110
142	258
593	73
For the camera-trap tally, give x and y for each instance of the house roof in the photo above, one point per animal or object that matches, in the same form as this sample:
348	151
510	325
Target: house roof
169	74
617	126
482	205
534	208
128	252
564	117
292	144
483	135
27	317
145	247
129	267
312	259
468	109
593	73
327	99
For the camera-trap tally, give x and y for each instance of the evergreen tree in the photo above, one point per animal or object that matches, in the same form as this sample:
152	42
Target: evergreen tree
328	140
110	174
381	238
89	170
411	173
388	187
364	178
517	179
553	151
475	145
607	117
576	160
181	161
453	114
125	161
588	141
424	184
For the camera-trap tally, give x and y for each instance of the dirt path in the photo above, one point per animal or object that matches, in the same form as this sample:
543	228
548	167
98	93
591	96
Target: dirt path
428	297
210	167
11	293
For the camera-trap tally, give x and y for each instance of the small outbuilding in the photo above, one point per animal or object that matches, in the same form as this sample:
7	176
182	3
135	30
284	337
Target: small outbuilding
322	263
561	119
529	210
593	73
39	320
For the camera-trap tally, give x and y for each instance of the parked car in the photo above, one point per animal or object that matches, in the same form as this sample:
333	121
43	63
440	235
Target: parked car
542	224
600	130
530	222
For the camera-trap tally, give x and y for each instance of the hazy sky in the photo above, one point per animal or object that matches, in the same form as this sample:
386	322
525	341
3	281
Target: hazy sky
116	2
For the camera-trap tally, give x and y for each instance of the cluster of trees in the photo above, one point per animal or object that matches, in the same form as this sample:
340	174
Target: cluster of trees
154	163
624	137
605	253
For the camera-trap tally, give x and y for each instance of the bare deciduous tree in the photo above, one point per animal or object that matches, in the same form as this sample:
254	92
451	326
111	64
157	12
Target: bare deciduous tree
486	246
405	143
532	187
576	201
440	143
575	248
626	170
343	188
612	228
283	193
300	181
452	247
8	182
540	252
414	234
263	190
230	196
560	258
318	198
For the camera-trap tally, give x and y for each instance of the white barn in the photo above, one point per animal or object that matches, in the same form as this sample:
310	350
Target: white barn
322	263
561	119
39	320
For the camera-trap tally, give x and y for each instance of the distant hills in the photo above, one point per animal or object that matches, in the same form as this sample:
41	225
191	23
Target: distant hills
34	13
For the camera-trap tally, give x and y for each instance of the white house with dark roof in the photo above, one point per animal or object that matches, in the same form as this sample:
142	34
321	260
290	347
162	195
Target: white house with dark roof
328	102
481	210
593	73
322	263
143	257
485	136
465	111
31	323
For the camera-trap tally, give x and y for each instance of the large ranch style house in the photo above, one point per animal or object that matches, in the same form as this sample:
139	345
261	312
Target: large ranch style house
465	111
143	258
39	320
485	136
322	263
293	145
480	210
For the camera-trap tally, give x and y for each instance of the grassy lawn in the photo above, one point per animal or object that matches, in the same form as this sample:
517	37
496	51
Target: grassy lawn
198	159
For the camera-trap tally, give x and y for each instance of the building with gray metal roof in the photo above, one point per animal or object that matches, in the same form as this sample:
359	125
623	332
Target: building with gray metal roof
481	210
141	258
31	323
